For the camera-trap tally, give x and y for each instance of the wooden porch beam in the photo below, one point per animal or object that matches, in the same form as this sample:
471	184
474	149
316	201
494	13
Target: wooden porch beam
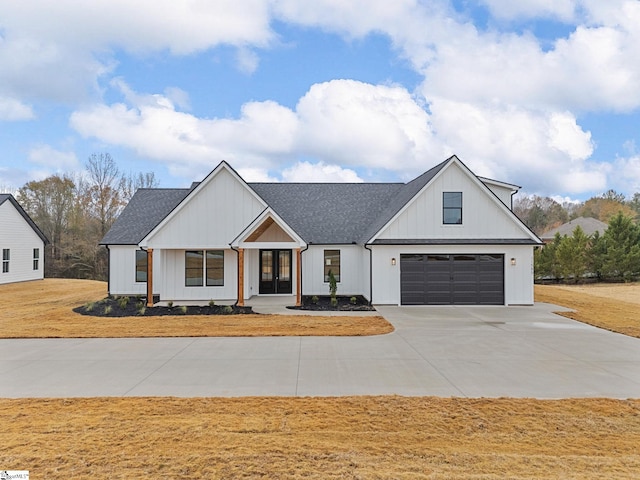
150	277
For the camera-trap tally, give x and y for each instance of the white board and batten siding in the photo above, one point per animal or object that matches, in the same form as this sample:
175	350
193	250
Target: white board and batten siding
122	271
518	287
20	239
482	215
214	215
354	270
171	279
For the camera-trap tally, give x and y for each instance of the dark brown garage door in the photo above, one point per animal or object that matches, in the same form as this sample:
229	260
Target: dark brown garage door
452	279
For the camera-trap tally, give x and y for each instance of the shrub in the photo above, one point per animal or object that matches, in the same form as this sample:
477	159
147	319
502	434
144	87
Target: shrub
182	309
353	300
107	309
212	303
333	286
122	302
141	309
227	309
170	304
89	306
314	299
334	302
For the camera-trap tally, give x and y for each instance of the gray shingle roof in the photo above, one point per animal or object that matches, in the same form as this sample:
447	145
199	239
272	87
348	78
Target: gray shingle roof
326	213
146	209
589	226
8	197
320	213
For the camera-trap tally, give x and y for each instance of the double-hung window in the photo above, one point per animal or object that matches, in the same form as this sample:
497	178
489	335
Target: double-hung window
452	208
36	258
6	256
201	264
332	264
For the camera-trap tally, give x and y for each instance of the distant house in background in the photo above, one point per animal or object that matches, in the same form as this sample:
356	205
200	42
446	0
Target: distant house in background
21	243
589	227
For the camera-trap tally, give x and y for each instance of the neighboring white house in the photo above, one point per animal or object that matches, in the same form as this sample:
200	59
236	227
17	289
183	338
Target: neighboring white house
21	243
446	237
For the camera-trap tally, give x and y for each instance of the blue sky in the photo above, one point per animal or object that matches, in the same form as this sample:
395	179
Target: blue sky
541	93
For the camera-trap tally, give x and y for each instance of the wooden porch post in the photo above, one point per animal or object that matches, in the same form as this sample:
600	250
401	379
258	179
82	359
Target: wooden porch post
241	277
150	277
299	277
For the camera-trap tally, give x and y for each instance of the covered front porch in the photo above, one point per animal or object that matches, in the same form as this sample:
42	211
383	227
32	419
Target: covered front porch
269	262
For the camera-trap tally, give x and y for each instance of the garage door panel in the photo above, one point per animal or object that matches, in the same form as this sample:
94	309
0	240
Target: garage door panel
463	279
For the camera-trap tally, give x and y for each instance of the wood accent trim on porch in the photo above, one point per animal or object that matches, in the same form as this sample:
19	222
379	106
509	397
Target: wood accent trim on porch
150	277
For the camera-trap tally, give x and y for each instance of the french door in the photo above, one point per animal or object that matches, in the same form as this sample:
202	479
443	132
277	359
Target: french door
275	271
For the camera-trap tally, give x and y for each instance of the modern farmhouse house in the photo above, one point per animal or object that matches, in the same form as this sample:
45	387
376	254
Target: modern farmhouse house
446	237
21	243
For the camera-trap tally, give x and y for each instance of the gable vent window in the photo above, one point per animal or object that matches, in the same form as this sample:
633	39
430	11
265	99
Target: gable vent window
36	258
452	208
5	260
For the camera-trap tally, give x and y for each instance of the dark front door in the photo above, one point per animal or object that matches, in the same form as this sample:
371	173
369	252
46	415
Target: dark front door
275	271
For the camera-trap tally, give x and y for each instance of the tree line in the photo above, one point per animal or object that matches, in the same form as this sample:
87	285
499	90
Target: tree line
612	256
76	211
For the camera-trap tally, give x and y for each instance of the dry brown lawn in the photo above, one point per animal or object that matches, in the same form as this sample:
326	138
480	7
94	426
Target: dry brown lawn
385	437
44	309
615	307
331	438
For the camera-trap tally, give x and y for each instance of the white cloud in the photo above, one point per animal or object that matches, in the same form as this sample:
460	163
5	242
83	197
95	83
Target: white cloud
247	61
340	122
57	50
626	175
52	159
353	123
508	9
547	150
12	110
305	172
566	136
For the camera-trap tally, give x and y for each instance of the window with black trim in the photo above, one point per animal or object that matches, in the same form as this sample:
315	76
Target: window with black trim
141	265
332	264
452	208
201	264
6	256
36	258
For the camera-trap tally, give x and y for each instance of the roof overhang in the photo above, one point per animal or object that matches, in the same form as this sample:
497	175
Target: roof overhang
456	241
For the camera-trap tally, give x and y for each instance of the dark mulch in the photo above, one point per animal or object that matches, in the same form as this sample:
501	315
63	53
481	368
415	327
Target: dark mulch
345	303
135	306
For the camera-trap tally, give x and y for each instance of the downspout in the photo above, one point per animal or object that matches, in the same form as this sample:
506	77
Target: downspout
302	250
108	268
238	270
366	246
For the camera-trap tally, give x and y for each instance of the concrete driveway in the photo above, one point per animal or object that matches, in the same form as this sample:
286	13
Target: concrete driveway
443	351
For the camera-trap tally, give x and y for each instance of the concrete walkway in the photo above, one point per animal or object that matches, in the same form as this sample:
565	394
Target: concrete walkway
444	351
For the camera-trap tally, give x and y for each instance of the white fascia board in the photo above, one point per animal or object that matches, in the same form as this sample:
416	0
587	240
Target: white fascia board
514	188
222	165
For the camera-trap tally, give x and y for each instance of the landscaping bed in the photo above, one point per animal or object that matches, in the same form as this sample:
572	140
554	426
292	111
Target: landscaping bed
354	303
136	306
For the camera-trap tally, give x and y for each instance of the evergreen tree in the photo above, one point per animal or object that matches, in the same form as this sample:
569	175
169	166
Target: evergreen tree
621	257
